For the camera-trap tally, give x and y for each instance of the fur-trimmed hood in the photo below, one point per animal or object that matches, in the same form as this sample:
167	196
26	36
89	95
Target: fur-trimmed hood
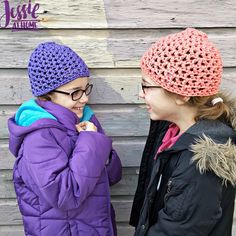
215	149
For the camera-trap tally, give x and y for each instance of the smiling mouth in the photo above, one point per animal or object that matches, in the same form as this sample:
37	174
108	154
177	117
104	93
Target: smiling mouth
78	108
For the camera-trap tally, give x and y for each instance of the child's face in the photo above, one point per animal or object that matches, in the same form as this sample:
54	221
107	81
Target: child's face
159	104
66	100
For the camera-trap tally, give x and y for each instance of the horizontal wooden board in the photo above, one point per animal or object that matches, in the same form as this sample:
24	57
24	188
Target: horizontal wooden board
12	230
234	229
126	187
9	209
169	14
111	86
122	230
6	158
12	217
102	48
128	149
116	120
135	14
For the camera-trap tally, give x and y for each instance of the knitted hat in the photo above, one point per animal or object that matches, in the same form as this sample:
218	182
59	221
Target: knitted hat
52	65
186	63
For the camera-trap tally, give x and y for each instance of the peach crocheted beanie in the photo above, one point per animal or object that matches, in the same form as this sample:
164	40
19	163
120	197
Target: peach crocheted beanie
186	63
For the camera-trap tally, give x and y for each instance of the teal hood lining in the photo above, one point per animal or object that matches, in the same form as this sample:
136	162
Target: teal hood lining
30	111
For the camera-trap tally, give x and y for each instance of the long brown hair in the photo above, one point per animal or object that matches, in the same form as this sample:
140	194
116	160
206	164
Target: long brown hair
206	110
221	110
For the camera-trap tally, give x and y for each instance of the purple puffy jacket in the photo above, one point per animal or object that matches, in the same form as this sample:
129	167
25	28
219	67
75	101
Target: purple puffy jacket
61	177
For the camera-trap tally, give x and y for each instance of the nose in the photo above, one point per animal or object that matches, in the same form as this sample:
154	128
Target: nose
84	98
141	94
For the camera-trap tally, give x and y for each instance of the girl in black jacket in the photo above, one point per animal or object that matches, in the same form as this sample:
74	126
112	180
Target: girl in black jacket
188	170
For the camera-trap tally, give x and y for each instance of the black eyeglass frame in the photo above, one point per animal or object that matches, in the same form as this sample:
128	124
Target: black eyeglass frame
146	87
75	91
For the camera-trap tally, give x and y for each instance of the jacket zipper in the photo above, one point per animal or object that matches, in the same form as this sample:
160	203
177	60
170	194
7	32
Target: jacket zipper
169	186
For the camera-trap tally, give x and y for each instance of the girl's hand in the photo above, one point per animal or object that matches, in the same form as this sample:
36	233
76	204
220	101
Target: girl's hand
86	126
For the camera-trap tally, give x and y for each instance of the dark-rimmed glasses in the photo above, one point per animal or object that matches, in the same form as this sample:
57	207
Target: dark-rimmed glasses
146	87
78	93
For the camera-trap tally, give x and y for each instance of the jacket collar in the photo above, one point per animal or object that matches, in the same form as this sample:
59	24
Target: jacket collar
213	144
63	115
220	142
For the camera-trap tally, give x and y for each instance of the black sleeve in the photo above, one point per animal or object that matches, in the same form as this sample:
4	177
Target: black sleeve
156	131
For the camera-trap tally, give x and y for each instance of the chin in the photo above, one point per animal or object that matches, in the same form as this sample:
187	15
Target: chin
80	115
153	117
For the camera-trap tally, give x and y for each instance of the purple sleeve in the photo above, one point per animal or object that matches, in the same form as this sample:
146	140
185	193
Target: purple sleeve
114	168
66	181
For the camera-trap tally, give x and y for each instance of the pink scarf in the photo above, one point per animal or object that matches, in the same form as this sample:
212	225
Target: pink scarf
170	138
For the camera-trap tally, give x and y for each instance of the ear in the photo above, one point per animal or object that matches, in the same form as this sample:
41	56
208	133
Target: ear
181	100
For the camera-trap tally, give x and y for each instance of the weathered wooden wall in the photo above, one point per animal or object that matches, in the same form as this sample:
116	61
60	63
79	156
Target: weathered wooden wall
111	36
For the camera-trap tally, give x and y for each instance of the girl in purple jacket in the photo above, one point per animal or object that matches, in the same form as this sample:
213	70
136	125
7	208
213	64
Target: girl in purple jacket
64	161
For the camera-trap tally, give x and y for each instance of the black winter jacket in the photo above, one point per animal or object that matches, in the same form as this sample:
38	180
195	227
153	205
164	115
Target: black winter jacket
189	189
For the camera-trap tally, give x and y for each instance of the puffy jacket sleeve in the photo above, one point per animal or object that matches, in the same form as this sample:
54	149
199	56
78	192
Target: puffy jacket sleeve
66	180
192	202
114	168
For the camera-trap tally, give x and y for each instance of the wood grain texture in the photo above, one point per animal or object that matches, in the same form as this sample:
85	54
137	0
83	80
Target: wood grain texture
17	230
103	48
9	209
117	120
136	14
126	187
128	148
111	86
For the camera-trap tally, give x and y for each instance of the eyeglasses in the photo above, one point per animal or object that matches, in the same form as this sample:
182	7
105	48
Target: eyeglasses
77	94
144	87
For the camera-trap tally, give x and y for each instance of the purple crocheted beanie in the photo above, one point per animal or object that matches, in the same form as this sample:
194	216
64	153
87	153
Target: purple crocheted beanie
52	65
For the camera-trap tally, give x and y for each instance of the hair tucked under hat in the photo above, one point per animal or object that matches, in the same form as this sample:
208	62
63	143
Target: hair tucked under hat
186	63
52	65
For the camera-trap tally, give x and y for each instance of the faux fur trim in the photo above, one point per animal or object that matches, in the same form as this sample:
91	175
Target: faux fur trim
219	158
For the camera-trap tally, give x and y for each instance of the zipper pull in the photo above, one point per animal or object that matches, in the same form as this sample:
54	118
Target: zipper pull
159	182
169	186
